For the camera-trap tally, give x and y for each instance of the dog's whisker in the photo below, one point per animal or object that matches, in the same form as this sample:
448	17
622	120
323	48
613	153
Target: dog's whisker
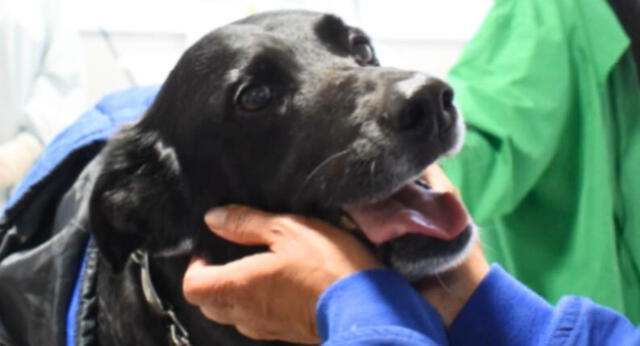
444	285
448	289
372	169
325	162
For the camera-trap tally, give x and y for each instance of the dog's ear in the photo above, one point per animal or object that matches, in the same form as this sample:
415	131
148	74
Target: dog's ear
138	198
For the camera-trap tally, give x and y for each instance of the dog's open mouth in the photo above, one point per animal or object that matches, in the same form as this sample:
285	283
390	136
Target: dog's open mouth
413	209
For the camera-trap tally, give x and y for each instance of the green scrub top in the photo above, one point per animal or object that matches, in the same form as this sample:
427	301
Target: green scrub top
550	169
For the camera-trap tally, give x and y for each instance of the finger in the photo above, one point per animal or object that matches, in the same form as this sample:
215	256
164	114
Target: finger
218	315
197	283
219	285
220	291
241	224
438	180
195	280
194	288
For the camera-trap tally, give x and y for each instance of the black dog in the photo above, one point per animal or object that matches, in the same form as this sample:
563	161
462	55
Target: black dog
287	112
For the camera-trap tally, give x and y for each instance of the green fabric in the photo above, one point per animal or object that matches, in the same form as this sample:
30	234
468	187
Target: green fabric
551	165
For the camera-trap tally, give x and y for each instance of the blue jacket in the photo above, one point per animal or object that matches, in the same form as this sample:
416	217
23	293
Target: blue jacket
379	307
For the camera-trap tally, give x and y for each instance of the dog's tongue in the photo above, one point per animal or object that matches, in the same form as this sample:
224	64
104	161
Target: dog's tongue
413	209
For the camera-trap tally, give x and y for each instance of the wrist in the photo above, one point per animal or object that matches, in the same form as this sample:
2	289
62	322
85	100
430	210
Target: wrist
449	292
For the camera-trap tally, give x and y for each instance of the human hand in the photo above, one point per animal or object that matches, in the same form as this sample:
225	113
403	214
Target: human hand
272	295
449	292
16	156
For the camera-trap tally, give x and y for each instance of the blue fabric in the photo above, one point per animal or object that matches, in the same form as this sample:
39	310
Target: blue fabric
508	308
377	307
380	308
96	125
585	323
74	305
502	311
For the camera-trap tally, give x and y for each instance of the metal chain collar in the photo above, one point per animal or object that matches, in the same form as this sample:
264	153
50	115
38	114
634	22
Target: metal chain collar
178	335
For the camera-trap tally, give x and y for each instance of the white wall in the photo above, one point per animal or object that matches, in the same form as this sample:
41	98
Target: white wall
150	35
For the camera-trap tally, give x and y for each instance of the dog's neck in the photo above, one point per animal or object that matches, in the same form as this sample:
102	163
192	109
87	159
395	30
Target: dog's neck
125	317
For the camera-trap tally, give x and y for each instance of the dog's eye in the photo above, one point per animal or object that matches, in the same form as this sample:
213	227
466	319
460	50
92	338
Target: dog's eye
363	52
254	97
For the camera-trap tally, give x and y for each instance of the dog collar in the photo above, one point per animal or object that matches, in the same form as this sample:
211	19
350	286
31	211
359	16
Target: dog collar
178	335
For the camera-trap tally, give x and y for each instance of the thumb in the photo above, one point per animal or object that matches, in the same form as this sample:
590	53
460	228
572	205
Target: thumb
435	176
241	224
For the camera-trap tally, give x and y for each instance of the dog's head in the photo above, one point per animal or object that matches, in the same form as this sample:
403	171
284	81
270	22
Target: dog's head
289	112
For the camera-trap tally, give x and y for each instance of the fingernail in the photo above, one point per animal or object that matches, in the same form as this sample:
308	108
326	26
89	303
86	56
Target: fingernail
215	217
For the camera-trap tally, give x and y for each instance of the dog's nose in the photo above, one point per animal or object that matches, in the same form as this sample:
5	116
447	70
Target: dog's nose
424	102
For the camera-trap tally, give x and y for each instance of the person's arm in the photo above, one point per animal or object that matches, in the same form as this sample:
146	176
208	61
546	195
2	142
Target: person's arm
522	92
43	90
16	156
377	307
502	311
365	305
318	280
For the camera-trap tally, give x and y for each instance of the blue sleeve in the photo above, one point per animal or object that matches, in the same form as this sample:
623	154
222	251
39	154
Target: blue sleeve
502	311
377	307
